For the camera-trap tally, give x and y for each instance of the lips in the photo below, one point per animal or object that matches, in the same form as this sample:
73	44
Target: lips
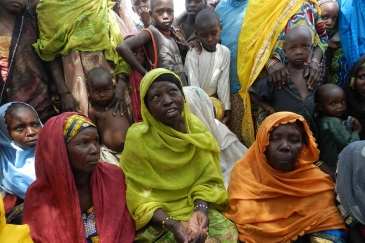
171	112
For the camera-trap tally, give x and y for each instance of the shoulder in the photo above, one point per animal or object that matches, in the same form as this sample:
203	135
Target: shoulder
223	48
330	122
136	131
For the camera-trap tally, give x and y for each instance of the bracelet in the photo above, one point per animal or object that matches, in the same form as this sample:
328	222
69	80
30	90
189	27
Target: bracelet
314	62
319	163
62	93
200	206
270	63
270	110
163	221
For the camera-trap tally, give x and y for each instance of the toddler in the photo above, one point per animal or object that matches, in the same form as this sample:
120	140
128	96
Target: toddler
112	129
334	133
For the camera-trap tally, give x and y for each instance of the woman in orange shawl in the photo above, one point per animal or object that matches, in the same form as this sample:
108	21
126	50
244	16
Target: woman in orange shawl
276	193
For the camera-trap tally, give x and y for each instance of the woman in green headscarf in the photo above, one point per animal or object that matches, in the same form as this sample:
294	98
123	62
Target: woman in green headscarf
171	163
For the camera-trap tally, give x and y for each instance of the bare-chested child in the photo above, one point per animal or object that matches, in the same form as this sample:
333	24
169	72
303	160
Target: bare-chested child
160	42
294	96
112	129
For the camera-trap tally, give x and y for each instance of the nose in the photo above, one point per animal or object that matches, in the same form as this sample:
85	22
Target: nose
94	148
284	146
30	132
166	100
165	15
299	51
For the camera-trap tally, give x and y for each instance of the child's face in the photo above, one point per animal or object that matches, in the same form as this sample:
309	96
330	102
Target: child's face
298	49
193	7
329	15
56	101
334	104
101	90
209	34
137	4
139	54
360	81
24	127
162	14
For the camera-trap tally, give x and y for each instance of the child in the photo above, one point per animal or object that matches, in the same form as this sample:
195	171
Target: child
135	81
295	95
210	69
160	42
336	65
112	129
142	9
19	130
334	135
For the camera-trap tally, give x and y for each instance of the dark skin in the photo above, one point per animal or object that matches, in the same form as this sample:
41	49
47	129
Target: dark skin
142	8
83	154
162	14
165	103
112	129
297	47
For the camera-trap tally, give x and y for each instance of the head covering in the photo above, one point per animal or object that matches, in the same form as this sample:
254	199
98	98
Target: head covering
351	19
16	164
354	107
52	207
75	124
351	180
268	205
12	233
231	148
168	169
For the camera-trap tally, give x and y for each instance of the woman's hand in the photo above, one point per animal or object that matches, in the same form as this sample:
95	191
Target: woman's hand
277	75
312	73
198	224
195	44
68	102
226	118
119	96
180	231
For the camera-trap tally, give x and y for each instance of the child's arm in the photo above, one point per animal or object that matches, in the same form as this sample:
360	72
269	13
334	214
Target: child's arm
340	134
261	92
223	88
258	101
191	68
125	50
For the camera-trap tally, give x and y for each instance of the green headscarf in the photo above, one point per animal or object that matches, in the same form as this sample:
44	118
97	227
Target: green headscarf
168	169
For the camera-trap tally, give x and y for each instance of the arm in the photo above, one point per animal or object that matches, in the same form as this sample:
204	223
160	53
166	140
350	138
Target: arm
180	232
192	69
199	221
223	88
68	102
260	93
125	50
341	135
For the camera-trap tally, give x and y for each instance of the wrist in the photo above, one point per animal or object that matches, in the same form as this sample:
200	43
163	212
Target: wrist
170	224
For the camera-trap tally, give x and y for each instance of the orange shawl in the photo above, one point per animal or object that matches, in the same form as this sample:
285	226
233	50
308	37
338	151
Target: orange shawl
268	205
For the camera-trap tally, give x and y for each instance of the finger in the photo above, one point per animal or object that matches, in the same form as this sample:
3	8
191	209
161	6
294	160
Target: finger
310	79
283	75
306	72
115	108
121	108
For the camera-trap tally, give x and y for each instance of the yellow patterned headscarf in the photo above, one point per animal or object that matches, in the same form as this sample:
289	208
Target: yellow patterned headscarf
75	124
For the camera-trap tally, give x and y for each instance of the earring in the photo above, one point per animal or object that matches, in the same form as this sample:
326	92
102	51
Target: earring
305	155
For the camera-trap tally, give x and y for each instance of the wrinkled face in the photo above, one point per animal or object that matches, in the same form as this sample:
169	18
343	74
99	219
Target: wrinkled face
101	90
360	81
298	49
334	103
83	150
139	54
13	6
193	7
165	102
329	15
24	127
209	34
284	147
162	13
137	4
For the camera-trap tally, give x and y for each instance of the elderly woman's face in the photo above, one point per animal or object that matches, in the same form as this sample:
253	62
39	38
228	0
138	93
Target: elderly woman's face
83	150
165	102
284	147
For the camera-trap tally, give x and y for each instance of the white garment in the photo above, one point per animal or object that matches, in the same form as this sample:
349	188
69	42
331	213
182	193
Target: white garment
210	71
231	148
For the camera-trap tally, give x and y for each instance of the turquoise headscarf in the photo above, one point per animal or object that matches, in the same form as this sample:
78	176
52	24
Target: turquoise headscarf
16	164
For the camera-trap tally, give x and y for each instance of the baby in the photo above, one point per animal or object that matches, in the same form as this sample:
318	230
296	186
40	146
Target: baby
295	95
334	134
112	129
210	69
